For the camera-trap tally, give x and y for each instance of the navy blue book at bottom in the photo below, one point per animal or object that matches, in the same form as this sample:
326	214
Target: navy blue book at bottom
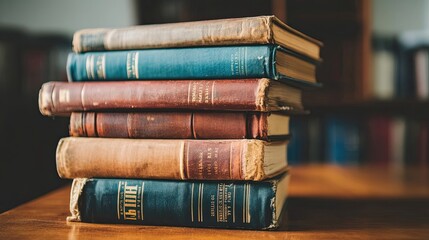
219	204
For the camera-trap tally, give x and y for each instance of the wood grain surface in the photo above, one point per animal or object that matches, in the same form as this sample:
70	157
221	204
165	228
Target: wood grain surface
326	202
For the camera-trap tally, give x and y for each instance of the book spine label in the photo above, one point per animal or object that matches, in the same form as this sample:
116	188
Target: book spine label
173	125
159	159
59	98
177	203
176	63
255	30
213	160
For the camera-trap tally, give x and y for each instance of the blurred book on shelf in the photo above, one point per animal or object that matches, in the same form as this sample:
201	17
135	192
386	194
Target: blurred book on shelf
378	140
401	66
384	67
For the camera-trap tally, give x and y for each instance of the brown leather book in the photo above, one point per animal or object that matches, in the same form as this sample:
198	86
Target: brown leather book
170	159
184	125
62	98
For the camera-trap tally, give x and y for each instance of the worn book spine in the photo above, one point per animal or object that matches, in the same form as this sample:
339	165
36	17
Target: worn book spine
221	204
253	30
193	125
62	98
174	63
161	159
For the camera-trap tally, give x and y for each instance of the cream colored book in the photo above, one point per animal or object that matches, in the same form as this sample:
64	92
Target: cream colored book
233	31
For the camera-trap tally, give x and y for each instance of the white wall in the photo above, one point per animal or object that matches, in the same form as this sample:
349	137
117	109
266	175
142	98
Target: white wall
66	16
395	16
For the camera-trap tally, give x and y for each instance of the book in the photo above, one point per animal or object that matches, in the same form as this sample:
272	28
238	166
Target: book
234	31
217	204
62	98
384	67
421	63
170	159
381	139
186	125
257	61
343	140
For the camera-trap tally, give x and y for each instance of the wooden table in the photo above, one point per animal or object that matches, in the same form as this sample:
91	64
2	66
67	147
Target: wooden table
326	202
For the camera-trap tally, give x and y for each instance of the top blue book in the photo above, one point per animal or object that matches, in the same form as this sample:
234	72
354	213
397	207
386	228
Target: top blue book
219	32
224	62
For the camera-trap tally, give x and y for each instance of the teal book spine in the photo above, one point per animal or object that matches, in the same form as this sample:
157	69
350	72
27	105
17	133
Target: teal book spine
253	61
218	204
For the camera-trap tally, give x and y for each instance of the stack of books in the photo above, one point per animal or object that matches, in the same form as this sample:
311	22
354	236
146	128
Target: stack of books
181	124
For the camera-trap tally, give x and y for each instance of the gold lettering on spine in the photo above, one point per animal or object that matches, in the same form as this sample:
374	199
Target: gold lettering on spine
132	65
189	92
130	202
212	205
90	66
100	66
192	202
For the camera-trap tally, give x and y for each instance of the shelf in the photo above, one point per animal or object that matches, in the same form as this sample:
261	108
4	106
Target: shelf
395	106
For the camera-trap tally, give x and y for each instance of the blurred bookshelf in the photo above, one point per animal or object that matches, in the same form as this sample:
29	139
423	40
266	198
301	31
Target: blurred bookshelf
364	114
26	61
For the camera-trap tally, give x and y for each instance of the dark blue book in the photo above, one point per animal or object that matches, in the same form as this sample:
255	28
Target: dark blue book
225	62
297	151
343	140
219	204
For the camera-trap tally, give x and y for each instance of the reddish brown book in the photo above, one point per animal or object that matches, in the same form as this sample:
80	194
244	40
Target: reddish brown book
62	98
190	125
170	159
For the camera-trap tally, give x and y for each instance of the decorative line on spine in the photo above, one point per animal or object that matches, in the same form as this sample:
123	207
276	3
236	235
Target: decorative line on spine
202	200
136	65
217	204
248	203
192	202
182	160
199	202
141	203
233	206
118	203
244	203
213	92
103	66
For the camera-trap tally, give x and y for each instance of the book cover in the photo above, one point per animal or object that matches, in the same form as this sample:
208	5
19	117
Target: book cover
217	204
223	62
240	159
232	31
185	125
261	95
